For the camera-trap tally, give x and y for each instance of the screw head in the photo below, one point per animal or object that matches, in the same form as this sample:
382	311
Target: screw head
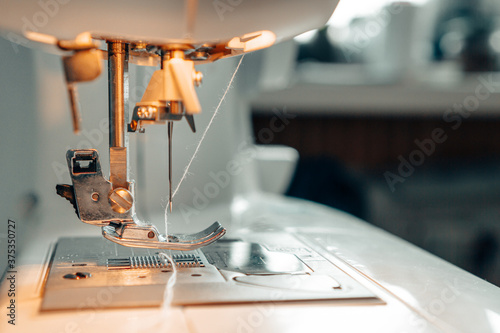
95	196
121	200
141	111
151	111
83	275
151	234
197	78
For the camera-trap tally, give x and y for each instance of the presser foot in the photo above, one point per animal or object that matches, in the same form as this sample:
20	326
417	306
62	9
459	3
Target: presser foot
147	236
96	202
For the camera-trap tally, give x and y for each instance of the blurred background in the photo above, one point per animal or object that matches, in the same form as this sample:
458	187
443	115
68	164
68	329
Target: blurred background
394	108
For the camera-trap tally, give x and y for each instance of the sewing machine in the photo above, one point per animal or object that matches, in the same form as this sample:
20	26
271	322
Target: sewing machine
283	264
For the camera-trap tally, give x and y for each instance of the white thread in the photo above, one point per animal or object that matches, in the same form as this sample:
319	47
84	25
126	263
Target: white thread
208	126
169	288
186	170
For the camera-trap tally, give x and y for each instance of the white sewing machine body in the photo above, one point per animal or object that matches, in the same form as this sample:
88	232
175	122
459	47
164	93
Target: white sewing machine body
163	22
317	268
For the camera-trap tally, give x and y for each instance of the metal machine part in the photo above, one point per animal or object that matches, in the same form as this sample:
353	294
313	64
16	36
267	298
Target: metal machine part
118	105
251	258
155	261
83	65
92	196
147	236
169	96
110	204
96	202
230	271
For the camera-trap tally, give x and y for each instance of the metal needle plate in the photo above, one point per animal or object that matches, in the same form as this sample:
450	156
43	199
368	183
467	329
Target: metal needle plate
227	272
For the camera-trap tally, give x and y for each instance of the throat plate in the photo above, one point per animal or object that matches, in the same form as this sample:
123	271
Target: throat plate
94	273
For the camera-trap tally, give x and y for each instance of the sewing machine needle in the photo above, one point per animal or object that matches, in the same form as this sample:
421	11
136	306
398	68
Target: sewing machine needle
170	131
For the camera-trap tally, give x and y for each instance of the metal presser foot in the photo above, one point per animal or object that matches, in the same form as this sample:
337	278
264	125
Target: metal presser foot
97	202
133	235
